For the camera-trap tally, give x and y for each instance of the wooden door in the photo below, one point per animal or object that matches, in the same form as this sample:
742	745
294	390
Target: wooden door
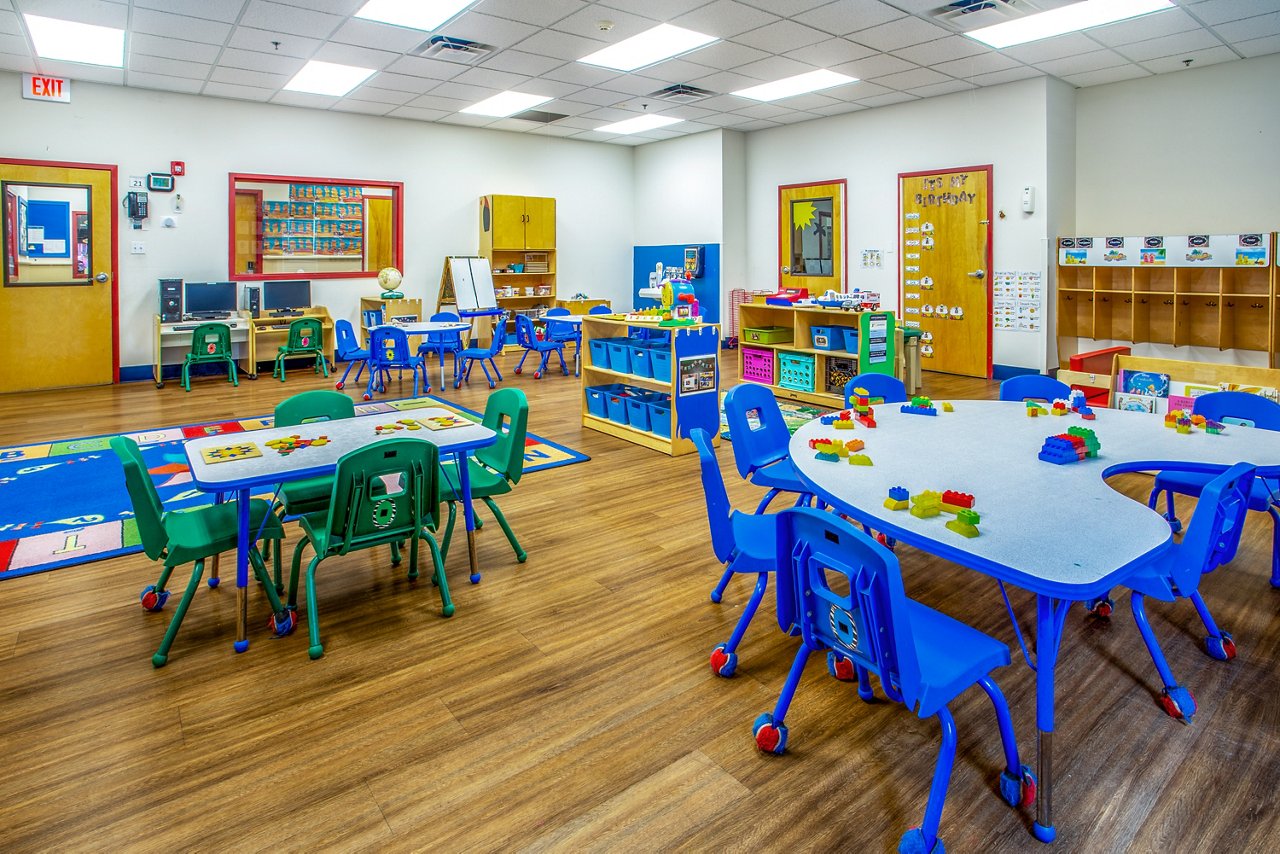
57	330
507	214
811	236
945	268
248	231
378	233
539	223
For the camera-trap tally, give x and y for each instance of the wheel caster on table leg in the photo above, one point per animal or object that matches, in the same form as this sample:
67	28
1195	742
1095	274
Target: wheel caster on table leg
723	663
841	668
770	737
1178	702
1222	648
1018	789
241	645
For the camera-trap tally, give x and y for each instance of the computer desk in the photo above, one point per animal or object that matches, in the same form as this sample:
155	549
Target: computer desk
172	341
267	334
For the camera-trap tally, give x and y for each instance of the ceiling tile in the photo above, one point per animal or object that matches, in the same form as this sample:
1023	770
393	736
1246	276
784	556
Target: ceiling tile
634	84
610	114
913	79
781	37
1259	47
1199	58
519	62
543	13
581	74
436	102
463	92
786	7
810	102
361	57
377	35
899	33
248	38
676	70
599	97
757	124
467	119
142	43
1214	12
487	29
878	65
773	68
380	95
165	82
14	44
552	130
724	19
726	120
983	63
9	23
562	45
1147	27
178	26
830	53
725	81
995	78
1054	48
18	62
232	90
1169	45
839	109
568	108
170	67
860	91
689	112
764	111
796	118
724	55
494	79
417	113
418	66
88	73
1107	75
1250	28
846	16
580	123
289	19
258	61
304	99
886	100
593	136
660	10
517	125
368	108
244	77
217	10
406	83
1092	61
85	11
554	88
942	50
334	7
585	22
945	88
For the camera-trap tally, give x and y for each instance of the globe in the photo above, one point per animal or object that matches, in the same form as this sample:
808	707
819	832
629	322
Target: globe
390	279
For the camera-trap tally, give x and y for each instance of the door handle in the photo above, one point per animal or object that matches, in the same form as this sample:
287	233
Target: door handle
786	270
101	278
978	274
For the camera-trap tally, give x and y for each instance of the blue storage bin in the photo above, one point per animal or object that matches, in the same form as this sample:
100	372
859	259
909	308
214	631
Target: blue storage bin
620	355
616	403
597	398
600	352
826	338
660	418
640	363
850	338
638	412
660	361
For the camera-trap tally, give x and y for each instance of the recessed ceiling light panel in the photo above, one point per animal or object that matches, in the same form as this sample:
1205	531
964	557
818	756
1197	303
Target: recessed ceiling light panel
662	42
505	104
1065	19
639	123
72	41
423	15
328	78
801	84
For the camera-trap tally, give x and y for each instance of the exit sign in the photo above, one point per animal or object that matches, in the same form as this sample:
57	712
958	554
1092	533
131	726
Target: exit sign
37	88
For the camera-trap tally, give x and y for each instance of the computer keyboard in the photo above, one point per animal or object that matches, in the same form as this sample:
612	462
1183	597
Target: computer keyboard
191	327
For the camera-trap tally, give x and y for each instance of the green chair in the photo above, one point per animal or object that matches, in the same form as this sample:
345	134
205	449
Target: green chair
306	338
383	494
495	469
192	536
210	343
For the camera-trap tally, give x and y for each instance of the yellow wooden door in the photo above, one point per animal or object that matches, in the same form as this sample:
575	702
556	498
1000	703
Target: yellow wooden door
379	238
539	223
811	236
508	221
57	330
946	267
249	232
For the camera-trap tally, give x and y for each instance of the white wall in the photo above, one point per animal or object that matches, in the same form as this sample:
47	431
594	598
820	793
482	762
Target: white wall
733	251
1058	195
445	170
678	190
1002	125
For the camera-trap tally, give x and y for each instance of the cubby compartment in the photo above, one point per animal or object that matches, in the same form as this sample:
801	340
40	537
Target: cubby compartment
1245	323
1153	279
1196	321
1153	318
1075	314
1198	280
1113	278
1113	316
1075	278
1246	280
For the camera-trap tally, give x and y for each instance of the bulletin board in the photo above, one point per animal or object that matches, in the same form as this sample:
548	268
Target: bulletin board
48	229
472	283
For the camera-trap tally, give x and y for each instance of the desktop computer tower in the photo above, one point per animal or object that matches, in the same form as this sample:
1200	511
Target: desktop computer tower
253	300
170	300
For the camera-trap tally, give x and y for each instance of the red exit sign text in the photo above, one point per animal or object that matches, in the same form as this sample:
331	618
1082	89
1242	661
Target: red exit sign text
38	88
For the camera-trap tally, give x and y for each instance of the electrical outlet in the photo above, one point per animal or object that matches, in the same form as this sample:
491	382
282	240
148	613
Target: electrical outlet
138	248
137	182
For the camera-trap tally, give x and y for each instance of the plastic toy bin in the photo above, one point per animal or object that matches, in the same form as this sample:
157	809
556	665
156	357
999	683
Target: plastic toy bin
827	337
757	365
660	417
850	334
598	397
660	359
600	352
766	335
796	370
619	355
638	411
640	359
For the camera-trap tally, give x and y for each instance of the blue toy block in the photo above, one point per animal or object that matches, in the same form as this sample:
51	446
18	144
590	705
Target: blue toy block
828	420
899	493
918	410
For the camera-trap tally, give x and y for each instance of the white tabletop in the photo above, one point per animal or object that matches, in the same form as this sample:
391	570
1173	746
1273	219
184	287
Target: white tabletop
573	319
424	327
1056	529
344	435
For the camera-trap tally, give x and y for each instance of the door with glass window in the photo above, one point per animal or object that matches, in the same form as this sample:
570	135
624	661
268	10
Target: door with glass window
811	236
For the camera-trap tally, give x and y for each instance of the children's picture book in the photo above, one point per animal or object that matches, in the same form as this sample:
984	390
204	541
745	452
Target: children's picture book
1135	402
1146	383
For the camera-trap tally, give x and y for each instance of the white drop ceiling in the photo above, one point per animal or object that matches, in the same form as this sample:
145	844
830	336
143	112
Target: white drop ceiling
248	49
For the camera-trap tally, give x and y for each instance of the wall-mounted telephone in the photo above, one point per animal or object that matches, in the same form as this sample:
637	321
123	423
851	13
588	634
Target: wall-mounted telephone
136	206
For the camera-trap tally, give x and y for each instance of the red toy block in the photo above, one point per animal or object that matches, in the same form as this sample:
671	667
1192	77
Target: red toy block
958	499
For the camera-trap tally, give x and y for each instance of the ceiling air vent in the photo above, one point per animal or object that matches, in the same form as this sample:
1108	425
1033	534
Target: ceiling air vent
681	93
965	15
453	49
540	116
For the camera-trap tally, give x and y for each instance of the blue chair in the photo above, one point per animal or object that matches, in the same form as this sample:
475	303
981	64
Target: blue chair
742	541
527	337
884	386
1211	540
471	355
1035	387
443	343
388	351
760	450
922	658
349	351
567	333
599	309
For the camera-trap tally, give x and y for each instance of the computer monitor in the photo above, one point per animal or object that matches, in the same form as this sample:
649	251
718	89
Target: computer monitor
205	298
277	296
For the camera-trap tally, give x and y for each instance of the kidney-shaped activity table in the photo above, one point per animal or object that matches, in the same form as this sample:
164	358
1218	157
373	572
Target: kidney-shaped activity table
1057	531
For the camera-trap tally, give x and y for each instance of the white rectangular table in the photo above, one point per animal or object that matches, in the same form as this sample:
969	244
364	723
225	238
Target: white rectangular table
241	476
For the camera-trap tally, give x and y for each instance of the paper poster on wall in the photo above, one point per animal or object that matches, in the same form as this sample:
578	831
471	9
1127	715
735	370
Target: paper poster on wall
1017	300
697	375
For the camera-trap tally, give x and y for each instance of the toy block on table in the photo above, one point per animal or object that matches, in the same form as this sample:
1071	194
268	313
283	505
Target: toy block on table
1059	408
1198	420
1072	446
947	407
286	445
828	420
444	422
919	405
965	524
841	424
862	410
230	453
860	460
954	502
1076	400
1087	414
827	457
1034	409
899	499
1213	428
925	505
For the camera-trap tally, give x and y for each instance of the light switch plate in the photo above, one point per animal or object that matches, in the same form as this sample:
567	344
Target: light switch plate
138	248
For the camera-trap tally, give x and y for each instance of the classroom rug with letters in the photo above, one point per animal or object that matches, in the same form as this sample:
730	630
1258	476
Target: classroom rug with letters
64	503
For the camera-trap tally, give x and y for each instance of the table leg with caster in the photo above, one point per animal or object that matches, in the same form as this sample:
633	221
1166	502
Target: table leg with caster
468	514
242	571
1050	615
214	577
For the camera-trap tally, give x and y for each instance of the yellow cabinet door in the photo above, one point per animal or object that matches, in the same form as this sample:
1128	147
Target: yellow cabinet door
508	222
540	223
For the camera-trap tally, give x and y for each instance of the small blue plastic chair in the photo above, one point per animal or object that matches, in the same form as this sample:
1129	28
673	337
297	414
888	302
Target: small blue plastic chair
1212	537
527	337
742	541
1229	407
599	309
922	658
1035	387
349	351
483	355
760	451
567	333
890	389
443	343
388	351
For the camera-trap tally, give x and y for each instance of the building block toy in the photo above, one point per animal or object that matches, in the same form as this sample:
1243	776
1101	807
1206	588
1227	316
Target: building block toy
1087	414
919	405
288	444
828	420
852	445
926	504
1184	425
860	460
1074	445
843	425
402	424
1213	428
899	499
862	410
1059	408
1034	409
954	502
1198	420
1076	400
827	457
947	407
965	524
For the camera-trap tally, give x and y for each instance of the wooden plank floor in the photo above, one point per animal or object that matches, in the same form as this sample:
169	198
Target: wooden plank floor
568	705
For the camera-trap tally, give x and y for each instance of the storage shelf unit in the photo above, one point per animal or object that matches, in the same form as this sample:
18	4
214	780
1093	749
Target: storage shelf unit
598	327
390	308
1185	291
799	322
521	231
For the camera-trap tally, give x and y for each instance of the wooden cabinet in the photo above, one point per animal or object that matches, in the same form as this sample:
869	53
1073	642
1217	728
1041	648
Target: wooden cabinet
518	236
1184	291
388	309
517	222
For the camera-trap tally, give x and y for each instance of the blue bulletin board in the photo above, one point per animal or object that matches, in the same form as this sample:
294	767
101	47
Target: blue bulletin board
48	229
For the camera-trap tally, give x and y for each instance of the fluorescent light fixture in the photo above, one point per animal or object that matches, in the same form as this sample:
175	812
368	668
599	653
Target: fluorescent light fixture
505	104
801	84
662	42
1066	19
75	42
639	123
415	14
327	78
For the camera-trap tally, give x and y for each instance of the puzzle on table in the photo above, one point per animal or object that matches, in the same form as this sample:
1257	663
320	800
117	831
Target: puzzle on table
230	453
286	445
444	422
402	424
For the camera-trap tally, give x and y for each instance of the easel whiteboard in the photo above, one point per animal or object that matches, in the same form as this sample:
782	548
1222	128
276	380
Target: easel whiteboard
472	283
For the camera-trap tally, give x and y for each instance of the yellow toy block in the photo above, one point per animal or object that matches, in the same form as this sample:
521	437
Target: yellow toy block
843	425
890	504
962	529
947	407
926	504
860	460
1033	411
